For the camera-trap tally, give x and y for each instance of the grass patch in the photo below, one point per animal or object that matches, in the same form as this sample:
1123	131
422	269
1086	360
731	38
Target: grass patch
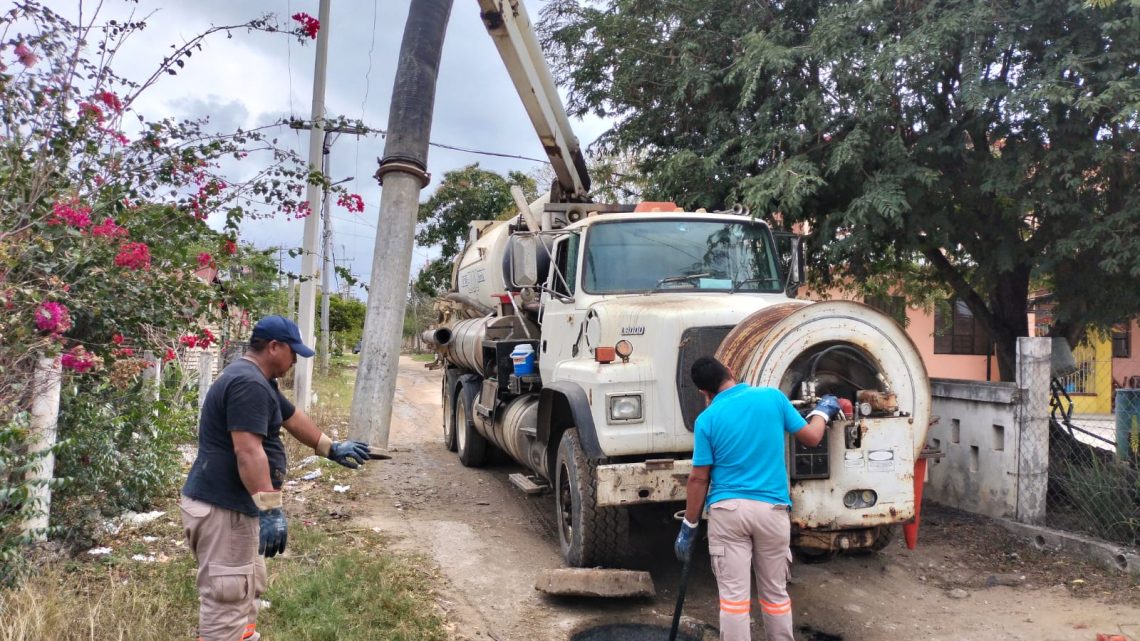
423	358
344	586
325	592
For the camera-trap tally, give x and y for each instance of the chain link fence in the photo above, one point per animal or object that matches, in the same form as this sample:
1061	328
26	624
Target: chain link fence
1094	440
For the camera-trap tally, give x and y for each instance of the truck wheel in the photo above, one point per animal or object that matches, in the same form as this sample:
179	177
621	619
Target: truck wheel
470	444
589	535
448	417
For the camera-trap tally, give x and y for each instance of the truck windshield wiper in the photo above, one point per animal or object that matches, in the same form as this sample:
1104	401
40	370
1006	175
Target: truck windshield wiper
755	279
680	278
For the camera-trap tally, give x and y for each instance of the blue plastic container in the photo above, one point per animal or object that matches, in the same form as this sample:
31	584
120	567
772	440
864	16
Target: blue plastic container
523	358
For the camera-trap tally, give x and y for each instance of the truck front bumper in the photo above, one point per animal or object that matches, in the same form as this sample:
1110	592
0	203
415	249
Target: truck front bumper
652	481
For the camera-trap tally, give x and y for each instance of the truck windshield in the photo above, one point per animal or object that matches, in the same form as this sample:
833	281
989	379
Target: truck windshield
662	255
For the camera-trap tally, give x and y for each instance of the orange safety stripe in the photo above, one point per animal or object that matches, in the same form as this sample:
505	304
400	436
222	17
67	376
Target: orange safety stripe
736	607
250	630
776	609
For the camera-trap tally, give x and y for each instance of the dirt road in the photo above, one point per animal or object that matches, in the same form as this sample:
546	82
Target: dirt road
966	580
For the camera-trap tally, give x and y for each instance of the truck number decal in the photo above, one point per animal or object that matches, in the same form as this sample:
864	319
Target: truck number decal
638	330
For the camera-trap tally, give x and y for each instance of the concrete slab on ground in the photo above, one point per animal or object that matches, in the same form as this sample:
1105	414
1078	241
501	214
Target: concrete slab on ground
595	582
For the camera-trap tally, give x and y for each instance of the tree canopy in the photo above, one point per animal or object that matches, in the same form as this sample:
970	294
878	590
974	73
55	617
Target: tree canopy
463	196
977	146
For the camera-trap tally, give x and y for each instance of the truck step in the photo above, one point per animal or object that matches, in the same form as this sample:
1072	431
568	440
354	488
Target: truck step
528	484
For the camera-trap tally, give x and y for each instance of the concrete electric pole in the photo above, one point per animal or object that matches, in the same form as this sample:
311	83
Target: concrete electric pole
403	173
303	371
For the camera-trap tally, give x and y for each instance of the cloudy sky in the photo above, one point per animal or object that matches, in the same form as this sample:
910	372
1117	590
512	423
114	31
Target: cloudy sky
254	79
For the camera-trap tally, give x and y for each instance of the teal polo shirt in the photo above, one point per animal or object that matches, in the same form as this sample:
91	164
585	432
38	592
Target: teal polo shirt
741	434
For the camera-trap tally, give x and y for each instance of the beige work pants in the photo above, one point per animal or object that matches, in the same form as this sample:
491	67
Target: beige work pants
751	535
231	574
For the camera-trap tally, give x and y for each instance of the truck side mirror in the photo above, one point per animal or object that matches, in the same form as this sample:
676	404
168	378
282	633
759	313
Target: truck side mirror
798	265
524	260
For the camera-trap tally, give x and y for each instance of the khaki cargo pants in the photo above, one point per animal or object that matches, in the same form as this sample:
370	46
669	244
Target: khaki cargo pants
746	536
231	574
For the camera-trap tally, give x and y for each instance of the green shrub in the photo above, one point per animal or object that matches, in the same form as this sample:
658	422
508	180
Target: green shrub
118	450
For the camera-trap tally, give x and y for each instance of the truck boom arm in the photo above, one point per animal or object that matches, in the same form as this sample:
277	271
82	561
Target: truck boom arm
509	25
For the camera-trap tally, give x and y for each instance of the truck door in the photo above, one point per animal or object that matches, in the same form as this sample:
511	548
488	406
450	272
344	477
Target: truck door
561	320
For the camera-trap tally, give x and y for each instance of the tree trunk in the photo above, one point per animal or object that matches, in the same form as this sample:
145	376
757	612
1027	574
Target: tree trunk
1009	304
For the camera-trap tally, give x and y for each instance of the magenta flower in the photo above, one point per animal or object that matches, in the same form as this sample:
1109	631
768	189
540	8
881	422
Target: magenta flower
109	229
352	202
25	55
52	318
79	360
70	212
204	259
133	256
308	24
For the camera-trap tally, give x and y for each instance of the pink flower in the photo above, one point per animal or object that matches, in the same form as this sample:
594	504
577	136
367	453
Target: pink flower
117	339
168	356
308	24
79	360
124	352
133	256
110	99
352	202
207	338
230	247
302	211
89	110
53	318
25	55
204	259
189	340
70	212
109	229
118	137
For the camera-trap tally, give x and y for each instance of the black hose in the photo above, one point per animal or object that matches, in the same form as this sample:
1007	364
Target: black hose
413	96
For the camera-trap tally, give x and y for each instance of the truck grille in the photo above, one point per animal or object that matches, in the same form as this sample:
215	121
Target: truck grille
695	343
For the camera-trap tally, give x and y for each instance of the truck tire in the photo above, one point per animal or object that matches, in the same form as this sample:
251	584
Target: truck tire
469	443
589	535
448	416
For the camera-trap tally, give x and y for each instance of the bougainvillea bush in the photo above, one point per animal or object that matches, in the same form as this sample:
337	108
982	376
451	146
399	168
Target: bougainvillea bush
106	254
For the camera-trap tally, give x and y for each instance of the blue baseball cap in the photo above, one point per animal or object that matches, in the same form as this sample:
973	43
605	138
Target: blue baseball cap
282	330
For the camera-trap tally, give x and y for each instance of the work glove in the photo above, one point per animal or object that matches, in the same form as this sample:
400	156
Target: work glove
350	454
274	529
686	540
828	408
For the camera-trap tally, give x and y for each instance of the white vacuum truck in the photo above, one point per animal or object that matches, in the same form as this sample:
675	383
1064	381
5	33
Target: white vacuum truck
615	307
569	331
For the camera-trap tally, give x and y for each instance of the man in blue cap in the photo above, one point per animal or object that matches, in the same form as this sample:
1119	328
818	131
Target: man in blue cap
231	502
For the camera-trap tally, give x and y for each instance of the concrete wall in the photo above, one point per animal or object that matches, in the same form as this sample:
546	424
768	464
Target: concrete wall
995	440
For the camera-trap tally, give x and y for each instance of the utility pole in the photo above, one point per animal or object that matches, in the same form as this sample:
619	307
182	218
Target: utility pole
326	265
403	173
303	371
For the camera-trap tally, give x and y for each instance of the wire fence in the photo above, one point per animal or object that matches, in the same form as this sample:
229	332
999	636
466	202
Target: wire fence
1094	442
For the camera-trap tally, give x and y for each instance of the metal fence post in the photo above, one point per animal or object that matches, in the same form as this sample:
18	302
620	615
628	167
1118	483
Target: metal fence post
1033	366
46	383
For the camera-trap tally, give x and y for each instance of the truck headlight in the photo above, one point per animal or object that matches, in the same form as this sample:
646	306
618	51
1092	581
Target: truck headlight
625	408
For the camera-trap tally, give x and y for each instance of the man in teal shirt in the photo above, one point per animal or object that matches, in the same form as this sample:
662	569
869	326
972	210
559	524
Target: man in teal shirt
739	463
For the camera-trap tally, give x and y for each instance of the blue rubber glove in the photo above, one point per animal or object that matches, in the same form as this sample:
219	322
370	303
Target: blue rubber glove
828	408
350	454
274	532
686	540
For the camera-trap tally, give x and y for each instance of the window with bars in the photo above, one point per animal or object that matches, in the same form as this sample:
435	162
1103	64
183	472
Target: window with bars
956	331
893	306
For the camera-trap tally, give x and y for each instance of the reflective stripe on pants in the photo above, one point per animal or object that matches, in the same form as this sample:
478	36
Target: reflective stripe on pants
744	535
231	574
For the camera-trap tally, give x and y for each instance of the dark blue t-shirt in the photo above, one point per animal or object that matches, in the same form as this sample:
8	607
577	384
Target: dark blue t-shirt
241	400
